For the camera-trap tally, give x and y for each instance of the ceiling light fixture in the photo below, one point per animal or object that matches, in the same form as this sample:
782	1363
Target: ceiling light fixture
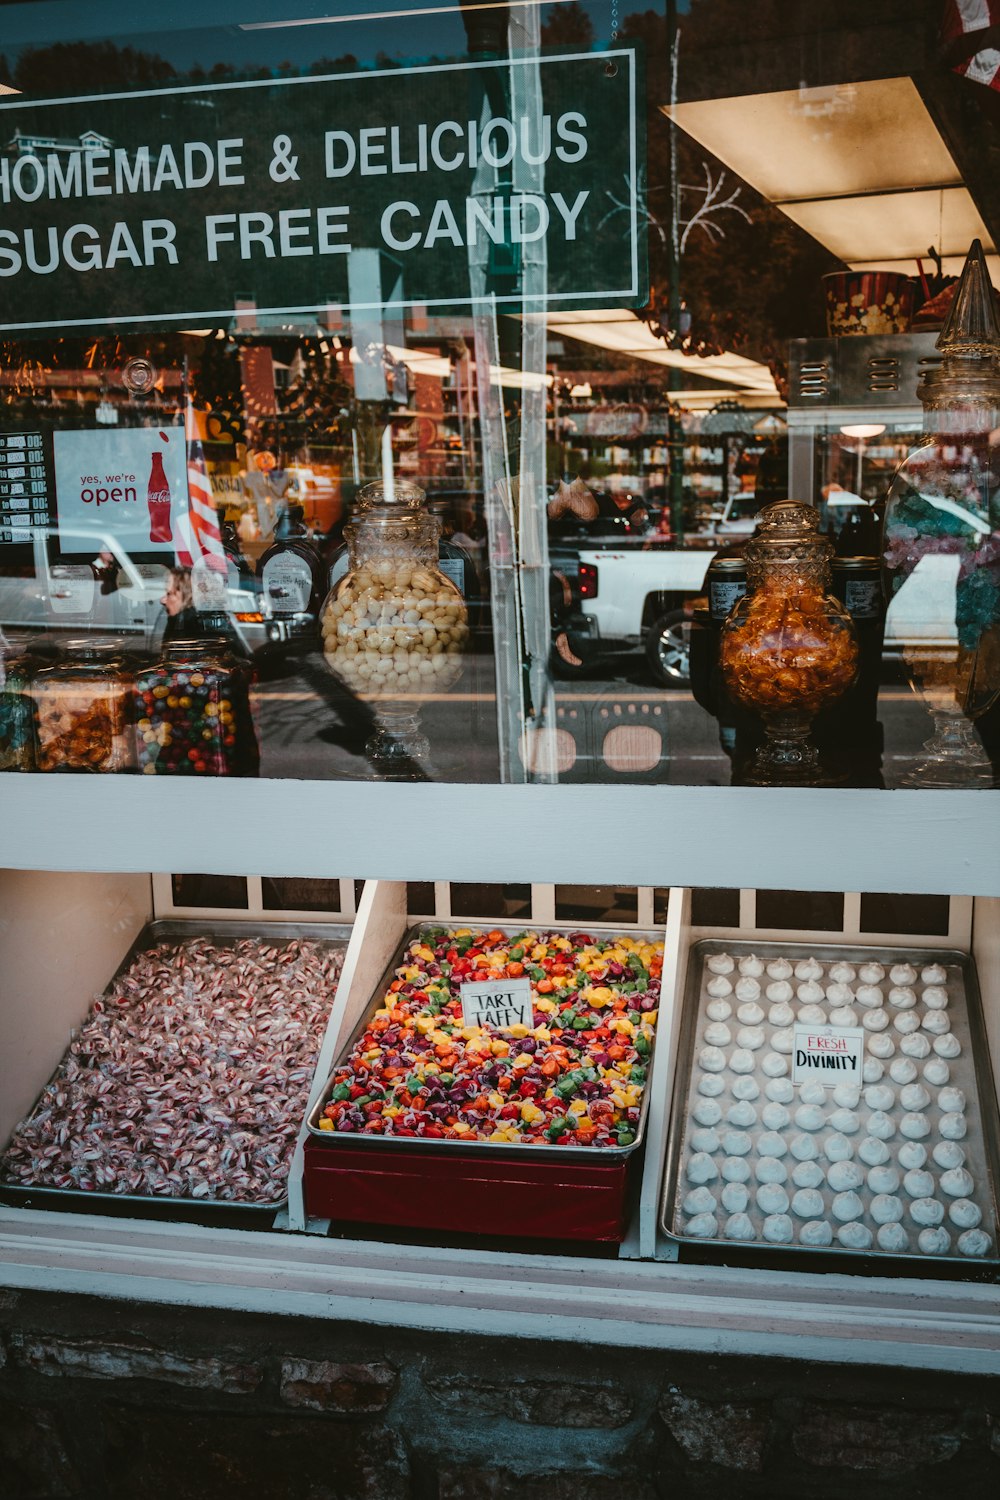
866	173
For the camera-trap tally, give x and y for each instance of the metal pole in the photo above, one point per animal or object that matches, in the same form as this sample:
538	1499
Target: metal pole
675	430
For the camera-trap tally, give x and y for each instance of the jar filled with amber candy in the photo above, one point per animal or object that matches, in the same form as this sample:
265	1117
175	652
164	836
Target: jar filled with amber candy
82	712
788	647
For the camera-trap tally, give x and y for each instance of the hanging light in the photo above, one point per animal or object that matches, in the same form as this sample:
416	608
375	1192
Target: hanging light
679	333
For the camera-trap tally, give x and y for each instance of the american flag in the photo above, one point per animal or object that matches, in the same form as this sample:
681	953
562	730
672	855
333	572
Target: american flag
971	38
201	539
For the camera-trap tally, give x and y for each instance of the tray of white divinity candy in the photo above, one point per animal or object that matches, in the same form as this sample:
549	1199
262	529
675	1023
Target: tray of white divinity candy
835	1100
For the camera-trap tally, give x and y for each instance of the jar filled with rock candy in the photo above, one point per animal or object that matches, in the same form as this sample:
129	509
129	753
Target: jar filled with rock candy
82	711
788	646
17	750
394	627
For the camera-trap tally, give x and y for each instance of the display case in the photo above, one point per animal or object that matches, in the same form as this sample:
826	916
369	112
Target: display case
666	1294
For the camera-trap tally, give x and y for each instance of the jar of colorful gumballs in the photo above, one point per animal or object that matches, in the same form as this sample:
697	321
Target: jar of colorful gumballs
192	712
17	750
81	711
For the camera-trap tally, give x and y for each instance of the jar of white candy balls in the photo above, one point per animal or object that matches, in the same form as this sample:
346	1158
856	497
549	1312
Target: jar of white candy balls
394	627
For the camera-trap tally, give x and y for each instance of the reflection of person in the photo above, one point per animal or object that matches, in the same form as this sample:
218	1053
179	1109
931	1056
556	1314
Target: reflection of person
182	617
105	570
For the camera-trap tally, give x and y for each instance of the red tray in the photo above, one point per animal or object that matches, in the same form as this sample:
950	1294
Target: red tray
467	1194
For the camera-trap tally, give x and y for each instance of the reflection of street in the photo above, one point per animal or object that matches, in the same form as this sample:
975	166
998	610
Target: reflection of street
302	736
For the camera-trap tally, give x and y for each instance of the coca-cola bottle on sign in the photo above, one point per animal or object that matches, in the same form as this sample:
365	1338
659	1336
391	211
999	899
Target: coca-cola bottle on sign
158	499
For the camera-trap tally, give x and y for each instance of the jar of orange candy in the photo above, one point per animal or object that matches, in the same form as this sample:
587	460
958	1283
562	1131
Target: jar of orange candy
788	647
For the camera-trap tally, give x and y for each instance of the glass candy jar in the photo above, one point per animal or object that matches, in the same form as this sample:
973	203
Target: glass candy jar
941	542
193	713
788	646
17	750
394	627
81	719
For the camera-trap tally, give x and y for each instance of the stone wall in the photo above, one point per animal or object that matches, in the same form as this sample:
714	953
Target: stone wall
118	1401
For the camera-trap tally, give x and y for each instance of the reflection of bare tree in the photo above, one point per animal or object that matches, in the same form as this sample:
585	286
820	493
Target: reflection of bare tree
567	24
712	204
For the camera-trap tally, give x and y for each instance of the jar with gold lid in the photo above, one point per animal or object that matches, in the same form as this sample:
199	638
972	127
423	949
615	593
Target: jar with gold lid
788	646
394	627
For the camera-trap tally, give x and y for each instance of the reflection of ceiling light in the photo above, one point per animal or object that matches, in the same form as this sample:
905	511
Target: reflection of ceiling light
414	359
898	226
627	335
864	429
422	363
875	183
886	140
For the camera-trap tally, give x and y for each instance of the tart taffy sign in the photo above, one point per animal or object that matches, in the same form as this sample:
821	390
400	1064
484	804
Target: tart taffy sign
467	180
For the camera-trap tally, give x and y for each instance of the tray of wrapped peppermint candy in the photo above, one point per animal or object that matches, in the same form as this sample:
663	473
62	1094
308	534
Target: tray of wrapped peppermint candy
833	1099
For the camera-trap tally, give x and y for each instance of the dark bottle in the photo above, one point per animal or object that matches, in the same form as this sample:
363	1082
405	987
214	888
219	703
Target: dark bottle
238	566
860	534
848	732
291	571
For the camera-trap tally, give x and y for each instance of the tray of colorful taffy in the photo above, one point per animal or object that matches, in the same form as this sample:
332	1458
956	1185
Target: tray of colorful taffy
496	1084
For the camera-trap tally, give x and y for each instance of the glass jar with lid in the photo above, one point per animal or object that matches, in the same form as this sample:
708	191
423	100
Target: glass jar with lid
394	627
192	712
17	749
788	646
81	703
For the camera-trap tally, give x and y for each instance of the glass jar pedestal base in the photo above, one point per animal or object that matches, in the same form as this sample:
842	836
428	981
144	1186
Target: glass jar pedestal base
953	757
397	748
788	756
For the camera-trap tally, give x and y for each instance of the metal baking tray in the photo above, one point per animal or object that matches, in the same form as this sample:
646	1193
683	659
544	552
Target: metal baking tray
166	930
505	1149
969	1072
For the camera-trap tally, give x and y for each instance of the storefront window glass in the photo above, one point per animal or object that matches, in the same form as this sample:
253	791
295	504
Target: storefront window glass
579	290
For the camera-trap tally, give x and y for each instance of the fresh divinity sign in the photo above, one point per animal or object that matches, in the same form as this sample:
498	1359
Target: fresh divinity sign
175	205
825	1055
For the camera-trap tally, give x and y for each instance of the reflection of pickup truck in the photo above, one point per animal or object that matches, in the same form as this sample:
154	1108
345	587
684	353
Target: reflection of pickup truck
46	584
631	592
616	588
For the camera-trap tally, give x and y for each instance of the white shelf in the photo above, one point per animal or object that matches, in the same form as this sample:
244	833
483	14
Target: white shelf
903	841
649	1302
625	1304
